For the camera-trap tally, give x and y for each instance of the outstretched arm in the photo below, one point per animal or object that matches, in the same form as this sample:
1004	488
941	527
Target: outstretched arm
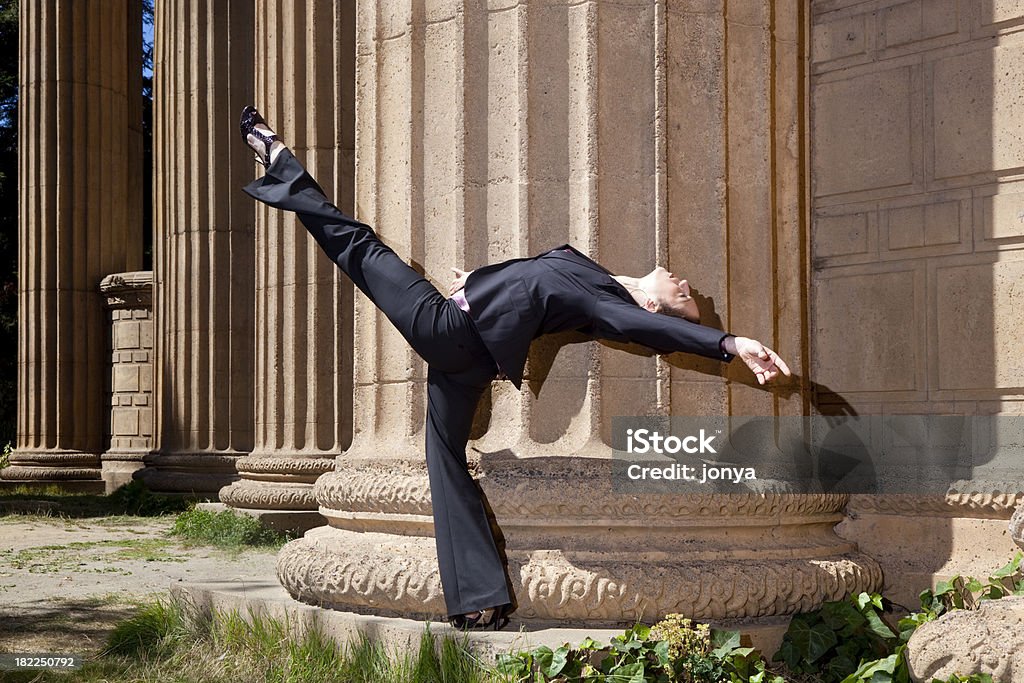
619	320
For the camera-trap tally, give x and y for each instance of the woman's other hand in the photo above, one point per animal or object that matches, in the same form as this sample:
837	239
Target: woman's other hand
460	280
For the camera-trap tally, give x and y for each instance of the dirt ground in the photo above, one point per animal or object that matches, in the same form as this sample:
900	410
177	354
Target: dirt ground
64	583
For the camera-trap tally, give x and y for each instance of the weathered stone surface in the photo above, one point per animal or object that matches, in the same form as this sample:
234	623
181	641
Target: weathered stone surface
1017	526
987	640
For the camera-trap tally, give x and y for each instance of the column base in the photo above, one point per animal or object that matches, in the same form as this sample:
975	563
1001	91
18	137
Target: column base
199	474
276	483
578	552
397	576
76	471
119	467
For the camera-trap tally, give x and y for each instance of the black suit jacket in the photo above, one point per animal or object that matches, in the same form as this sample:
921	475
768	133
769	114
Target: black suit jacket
515	301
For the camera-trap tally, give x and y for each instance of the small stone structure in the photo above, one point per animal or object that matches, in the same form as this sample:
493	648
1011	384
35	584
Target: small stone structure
129	299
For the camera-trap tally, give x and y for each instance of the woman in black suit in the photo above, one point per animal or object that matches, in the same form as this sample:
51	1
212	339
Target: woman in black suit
481	333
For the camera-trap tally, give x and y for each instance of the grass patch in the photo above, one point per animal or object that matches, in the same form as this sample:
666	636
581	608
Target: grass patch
226	529
132	499
171	641
53	559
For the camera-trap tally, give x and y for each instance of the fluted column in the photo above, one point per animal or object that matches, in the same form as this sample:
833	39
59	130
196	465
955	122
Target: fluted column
203	245
488	133
79	219
304	86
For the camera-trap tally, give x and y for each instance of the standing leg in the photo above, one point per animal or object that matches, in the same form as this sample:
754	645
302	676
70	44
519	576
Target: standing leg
472	573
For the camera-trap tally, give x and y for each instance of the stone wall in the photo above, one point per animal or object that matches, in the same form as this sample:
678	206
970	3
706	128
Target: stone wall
916	236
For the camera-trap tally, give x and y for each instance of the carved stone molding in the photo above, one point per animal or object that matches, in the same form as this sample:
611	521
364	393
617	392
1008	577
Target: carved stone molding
128	290
996	501
255	495
539	487
398	575
276	483
48	474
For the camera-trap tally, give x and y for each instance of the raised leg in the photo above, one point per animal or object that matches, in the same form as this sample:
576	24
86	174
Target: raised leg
435	328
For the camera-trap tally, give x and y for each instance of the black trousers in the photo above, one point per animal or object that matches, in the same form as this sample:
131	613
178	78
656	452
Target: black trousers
459	369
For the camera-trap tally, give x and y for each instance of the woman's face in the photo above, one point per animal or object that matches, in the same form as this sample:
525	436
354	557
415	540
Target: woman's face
667	290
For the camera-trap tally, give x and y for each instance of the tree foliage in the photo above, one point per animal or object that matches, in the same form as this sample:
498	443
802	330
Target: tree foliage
8	217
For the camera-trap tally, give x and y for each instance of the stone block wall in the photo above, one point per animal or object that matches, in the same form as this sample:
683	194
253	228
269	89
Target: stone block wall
917	229
129	300
917	199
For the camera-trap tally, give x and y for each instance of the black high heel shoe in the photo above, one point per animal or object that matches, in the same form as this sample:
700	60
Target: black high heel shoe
498	619
250	118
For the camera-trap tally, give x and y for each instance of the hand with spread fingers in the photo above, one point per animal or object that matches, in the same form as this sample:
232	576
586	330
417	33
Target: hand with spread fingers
762	361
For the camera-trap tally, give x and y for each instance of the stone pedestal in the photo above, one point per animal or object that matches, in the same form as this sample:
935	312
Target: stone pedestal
80	214
577	551
603	125
304	83
203	245
129	299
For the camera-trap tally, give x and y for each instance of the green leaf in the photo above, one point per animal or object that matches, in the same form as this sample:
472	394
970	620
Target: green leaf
993	592
558	660
1011	567
517	665
799	632
876	671
820	640
789	654
878	627
840	667
629	673
723	642
542	656
661	651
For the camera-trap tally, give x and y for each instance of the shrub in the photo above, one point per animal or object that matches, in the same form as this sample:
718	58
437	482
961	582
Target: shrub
225	529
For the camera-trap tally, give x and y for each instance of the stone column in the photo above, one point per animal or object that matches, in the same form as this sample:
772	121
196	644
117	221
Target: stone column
491	133
129	298
304	86
203	245
79	219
